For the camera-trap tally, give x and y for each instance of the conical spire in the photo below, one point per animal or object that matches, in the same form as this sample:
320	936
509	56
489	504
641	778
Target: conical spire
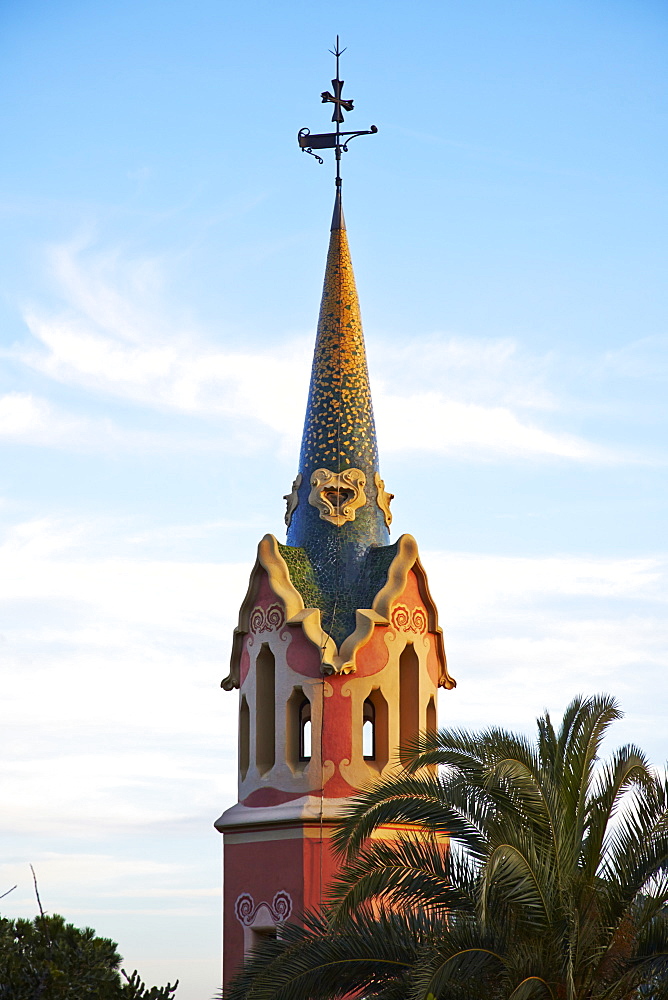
341	506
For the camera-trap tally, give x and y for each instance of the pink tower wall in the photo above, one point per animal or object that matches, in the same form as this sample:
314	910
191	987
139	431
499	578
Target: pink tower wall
277	856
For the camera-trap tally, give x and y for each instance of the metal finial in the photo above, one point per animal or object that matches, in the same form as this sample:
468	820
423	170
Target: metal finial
333	140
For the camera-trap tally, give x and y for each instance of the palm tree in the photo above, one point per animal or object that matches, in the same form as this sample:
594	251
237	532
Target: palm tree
523	870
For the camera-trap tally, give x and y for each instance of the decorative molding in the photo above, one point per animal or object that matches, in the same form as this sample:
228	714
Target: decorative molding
383	498
269	620
246	909
407	559
337	495
270	561
292	499
405	620
332	659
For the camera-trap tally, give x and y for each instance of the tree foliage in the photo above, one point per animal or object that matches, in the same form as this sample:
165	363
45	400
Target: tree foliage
48	959
524	870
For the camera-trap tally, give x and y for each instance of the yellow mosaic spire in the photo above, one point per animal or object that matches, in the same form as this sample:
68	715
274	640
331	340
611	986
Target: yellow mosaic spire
339	430
339	496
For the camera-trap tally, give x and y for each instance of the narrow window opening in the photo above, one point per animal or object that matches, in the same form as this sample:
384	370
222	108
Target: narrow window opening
299	731
409	699
375	731
369	730
431	716
244	737
265	710
305	749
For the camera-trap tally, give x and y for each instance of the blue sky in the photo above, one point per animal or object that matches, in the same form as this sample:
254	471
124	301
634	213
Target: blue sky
162	256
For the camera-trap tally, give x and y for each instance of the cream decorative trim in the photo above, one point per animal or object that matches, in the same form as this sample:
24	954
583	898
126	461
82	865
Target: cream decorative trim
337	495
397	575
292	499
407	559
308	810
366	620
383	498
270	561
333	660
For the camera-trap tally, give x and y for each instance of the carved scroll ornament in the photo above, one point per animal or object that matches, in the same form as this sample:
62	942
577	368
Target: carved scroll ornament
280	908
292	499
266	620
383	498
405	620
337	495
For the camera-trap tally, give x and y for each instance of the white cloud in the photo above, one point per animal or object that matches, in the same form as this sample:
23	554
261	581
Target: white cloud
76	794
449	427
504	581
30	420
184	375
101	872
468	370
525	634
472	395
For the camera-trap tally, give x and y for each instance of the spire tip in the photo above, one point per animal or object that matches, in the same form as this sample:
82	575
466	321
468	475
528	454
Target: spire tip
338	221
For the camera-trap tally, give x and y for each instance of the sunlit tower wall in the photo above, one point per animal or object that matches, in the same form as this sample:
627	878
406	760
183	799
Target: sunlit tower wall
338	655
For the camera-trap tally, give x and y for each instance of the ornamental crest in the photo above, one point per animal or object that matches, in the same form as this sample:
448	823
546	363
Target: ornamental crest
280	908
337	495
383	498
292	499
405	620
269	620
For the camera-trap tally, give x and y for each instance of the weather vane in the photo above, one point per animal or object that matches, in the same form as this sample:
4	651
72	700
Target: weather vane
338	141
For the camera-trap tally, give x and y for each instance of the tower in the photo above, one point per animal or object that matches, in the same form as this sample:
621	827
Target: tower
338	654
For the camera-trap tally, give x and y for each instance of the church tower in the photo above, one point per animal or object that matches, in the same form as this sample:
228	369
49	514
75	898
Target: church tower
338	655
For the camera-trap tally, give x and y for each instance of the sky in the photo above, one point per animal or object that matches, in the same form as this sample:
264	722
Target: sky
162	252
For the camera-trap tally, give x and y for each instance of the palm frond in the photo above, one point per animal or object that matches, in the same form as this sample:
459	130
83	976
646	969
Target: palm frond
410	871
372	953
406	800
627	768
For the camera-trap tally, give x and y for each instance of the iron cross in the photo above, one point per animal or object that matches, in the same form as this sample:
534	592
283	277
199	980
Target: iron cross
340	103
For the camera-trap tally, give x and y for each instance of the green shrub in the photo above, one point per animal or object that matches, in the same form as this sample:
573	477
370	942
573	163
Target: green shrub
48	959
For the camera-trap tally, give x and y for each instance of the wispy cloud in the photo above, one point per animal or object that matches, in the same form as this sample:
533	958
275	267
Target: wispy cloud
27	419
490	372
475	398
30	420
454	428
645	359
525	633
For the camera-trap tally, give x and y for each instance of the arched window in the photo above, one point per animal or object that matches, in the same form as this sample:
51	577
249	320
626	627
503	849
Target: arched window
305	748
409	704
369	730
244	737
265	710
375	734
